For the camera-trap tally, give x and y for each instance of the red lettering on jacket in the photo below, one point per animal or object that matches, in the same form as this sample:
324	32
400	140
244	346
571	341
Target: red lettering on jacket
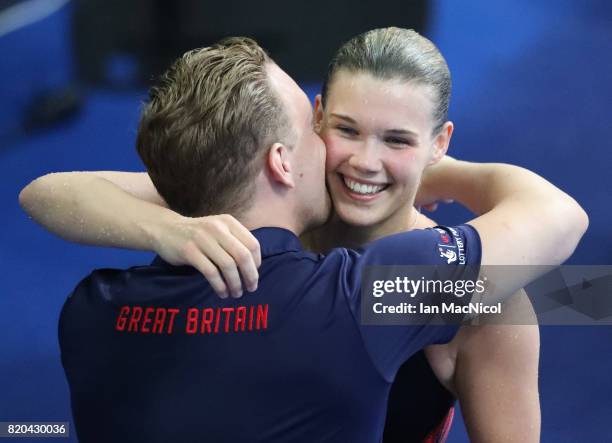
217	320
192	321
240	319
228	316
207	318
122	318
144	328
262	317
136	314
160	318
173	312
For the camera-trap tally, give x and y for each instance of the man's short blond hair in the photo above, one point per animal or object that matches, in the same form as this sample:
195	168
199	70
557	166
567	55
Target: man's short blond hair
207	125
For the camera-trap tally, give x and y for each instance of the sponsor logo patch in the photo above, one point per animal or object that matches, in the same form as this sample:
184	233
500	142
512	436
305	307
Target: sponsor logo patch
460	245
444	238
448	254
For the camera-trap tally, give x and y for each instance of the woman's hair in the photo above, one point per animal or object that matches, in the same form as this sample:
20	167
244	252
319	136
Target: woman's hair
396	53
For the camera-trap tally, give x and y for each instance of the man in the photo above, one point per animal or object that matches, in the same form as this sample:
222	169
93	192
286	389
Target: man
294	363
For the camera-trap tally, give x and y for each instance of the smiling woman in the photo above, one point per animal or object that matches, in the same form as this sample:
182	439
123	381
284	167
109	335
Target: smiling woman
378	138
383	116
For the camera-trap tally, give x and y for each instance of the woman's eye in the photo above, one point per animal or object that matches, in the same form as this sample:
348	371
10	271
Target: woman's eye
399	141
346	130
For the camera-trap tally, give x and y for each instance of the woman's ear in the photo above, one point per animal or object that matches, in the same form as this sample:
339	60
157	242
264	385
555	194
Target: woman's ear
278	163
318	113
441	142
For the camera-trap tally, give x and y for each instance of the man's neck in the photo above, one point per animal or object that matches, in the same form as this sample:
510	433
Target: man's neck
271	216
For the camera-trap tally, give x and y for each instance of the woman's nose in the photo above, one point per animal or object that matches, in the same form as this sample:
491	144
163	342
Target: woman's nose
367	158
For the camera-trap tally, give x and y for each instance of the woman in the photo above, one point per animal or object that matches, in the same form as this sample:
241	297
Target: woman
383	116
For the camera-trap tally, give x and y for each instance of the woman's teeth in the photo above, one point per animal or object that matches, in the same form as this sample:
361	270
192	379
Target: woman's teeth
361	188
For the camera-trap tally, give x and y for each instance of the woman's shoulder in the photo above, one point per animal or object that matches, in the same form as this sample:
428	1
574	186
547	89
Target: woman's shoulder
423	222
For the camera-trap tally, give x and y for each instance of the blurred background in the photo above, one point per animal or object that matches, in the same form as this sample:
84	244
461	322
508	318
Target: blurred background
532	86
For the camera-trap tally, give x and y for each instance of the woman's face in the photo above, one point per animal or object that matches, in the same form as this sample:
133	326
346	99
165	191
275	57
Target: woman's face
379	140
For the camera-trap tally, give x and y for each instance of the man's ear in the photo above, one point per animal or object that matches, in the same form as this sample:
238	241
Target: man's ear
318	113
279	165
441	142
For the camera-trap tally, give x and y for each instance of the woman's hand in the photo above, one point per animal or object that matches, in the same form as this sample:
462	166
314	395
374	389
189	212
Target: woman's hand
219	246
428	196
431	207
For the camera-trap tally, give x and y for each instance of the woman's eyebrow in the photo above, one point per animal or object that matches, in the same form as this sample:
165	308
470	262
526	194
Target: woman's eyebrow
406	132
402	132
344	117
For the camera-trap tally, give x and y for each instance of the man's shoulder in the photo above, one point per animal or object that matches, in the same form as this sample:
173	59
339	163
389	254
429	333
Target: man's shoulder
315	259
109	281
437	245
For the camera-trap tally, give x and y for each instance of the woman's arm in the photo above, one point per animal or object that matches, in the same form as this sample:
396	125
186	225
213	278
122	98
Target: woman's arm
121	209
492	368
97	208
496	375
523	220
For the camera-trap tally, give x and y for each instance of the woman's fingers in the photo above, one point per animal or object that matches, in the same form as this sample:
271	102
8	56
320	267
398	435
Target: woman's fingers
246	238
213	248
245	249
243	258
220	247
232	249
194	256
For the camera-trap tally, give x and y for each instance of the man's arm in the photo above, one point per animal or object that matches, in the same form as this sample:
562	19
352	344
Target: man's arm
122	209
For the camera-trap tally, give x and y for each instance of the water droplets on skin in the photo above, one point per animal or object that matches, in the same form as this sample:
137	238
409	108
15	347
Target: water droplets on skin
81	224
